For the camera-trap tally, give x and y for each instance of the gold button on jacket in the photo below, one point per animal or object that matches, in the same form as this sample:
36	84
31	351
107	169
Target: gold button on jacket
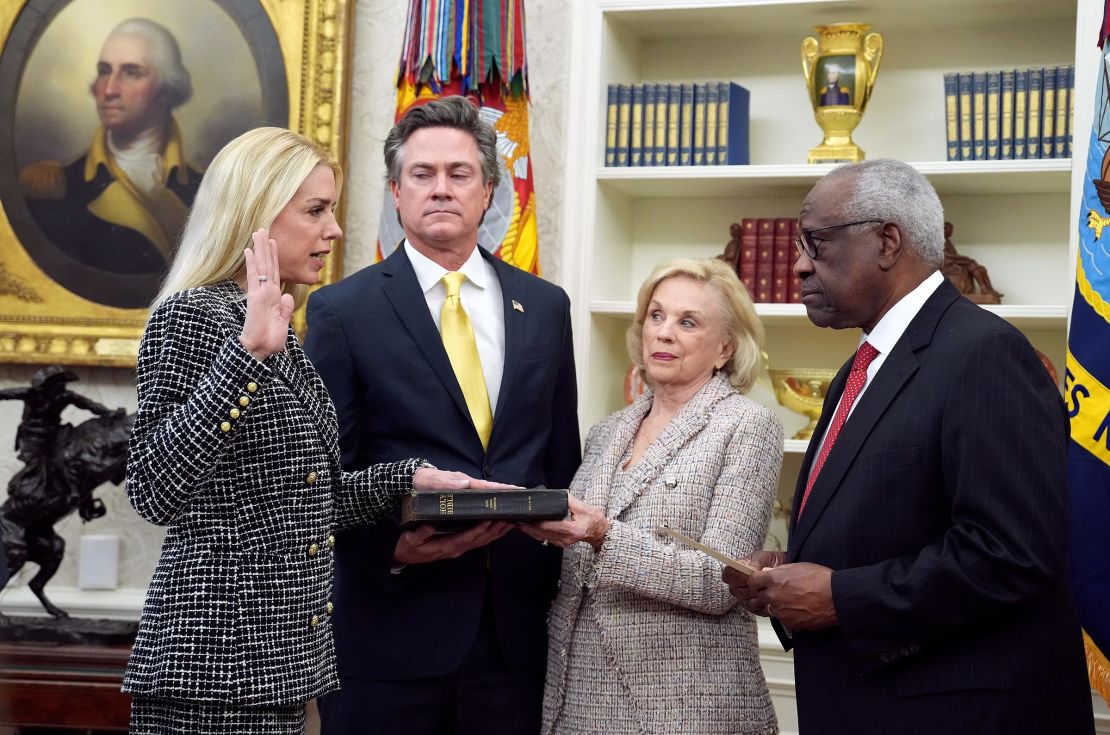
311	477
244	401
225	426
313	550
252	387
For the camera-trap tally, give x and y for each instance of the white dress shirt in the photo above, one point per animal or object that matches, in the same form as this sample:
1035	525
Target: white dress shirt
481	297
888	331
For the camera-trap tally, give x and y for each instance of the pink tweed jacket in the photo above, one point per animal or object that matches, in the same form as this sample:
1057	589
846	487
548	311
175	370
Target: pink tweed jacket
685	652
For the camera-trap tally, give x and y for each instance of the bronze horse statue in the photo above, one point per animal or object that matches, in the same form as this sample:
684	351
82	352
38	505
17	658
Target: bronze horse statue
63	466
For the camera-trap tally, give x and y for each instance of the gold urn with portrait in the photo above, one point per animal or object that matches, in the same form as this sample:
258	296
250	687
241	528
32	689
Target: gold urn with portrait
840	66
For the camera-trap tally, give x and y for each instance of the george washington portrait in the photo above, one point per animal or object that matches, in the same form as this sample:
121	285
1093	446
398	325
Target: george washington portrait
118	107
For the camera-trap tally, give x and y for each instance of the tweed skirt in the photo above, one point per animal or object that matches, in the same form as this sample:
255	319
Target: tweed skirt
157	716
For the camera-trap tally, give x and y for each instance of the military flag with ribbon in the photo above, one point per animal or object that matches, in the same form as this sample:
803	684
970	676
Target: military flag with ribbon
475	48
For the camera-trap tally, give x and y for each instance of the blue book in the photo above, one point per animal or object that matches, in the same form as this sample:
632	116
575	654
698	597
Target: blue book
1048	114
624	122
1006	118
648	156
660	124
1021	110
952	114
636	136
994	93
979	115
686	127
674	123
733	105
699	124
1071	109
611	126
1062	102
966	138
711	104
1033	115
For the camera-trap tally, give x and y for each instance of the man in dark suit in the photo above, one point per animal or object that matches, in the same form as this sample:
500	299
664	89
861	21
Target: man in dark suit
923	589
445	634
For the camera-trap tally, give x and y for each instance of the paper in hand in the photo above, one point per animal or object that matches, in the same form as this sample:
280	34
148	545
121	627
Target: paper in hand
728	561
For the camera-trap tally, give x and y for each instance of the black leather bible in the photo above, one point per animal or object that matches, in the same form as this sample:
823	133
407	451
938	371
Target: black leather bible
463	508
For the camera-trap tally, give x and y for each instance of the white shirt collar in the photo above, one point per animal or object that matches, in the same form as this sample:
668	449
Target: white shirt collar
895	322
429	273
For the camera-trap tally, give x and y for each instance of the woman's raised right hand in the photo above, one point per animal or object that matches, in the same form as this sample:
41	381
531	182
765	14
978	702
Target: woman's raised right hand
268	309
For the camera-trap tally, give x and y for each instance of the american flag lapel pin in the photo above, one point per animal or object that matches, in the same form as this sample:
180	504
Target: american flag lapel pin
518	306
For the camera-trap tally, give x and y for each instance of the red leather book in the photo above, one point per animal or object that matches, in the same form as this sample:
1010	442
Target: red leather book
795	290
747	255
764	259
781	261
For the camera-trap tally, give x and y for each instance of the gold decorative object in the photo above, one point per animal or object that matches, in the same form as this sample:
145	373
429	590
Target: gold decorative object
802	390
840	67
54	308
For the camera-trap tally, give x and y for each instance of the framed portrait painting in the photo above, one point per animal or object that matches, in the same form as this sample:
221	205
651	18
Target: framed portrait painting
117	107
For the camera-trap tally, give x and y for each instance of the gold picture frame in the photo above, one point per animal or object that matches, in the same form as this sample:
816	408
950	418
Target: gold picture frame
54	306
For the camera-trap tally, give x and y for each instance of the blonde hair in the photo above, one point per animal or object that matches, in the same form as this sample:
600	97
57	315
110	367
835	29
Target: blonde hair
741	325
247	185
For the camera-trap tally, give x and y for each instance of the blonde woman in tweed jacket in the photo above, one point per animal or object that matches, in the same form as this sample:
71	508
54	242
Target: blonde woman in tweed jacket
644	635
235	450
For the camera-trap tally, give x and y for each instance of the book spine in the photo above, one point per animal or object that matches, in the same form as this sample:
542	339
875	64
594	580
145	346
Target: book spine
994	90
736	118
764	260
1033	116
1021	110
1048	114
1071	107
611	126
1006	119
711	106
748	247
979	115
722	123
699	125
624	122
780	262
966	139
647	158
795	280
686	130
674	122
952	114
636	137
1062	92
661	91
438	507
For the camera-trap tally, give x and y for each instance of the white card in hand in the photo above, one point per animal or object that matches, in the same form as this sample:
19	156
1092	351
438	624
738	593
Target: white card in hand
728	561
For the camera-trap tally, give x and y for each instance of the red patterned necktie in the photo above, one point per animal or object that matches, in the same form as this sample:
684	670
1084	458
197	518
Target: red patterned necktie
857	377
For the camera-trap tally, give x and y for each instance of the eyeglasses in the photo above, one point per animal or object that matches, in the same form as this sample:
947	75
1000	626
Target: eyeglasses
804	241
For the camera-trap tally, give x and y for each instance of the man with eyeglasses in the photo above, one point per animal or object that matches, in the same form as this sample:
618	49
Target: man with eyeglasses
923	588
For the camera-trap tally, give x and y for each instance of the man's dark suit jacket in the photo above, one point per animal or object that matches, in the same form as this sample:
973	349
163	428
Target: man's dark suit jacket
373	340
942	510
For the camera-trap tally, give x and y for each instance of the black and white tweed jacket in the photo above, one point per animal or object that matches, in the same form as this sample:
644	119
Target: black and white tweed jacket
239	459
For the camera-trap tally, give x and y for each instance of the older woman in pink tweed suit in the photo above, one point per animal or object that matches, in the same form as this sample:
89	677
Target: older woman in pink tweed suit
644	635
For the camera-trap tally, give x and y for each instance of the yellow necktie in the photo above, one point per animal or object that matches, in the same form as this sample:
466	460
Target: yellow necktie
462	350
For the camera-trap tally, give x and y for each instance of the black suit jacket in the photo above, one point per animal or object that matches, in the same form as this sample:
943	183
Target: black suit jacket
376	346
942	510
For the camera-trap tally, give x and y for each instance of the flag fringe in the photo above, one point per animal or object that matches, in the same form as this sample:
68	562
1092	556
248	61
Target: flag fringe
1098	668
